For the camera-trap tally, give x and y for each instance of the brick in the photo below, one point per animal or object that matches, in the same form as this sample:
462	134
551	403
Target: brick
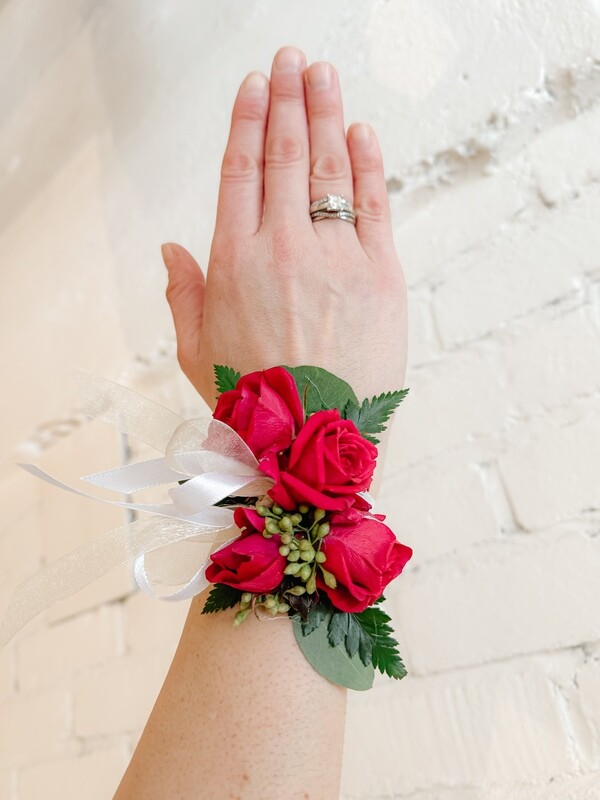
52	655
130	686
438	508
7	671
94	776
500	281
153	625
469	728
423	345
449	405
553	362
8	784
566	157
35	724
555	476
588	697
499	600
454	222
18	497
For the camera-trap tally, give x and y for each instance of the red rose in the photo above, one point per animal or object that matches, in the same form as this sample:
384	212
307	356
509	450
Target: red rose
248	520
329	463
251	562
363	558
264	408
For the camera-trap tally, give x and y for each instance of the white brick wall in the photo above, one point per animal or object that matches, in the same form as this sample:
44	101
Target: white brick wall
489	118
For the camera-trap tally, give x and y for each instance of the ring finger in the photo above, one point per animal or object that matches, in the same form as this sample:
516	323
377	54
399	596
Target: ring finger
330	169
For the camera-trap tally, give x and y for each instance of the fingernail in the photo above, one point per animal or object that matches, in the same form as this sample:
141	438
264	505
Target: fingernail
255	83
362	132
168	254
319	76
289	59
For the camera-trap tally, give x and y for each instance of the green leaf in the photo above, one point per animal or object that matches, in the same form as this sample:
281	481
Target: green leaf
226	377
221	598
384	654
333	663
320	389
316	615
371	415
345	628
338	628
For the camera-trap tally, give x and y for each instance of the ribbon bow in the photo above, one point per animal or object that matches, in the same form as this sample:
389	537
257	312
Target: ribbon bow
212	459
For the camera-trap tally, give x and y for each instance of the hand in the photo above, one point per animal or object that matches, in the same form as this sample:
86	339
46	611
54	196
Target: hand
281	289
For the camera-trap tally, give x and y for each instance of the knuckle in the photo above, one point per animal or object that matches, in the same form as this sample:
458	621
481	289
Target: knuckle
284	249
238	166
249	109
175	289
284	150
368	163
287	87
373	207
330	166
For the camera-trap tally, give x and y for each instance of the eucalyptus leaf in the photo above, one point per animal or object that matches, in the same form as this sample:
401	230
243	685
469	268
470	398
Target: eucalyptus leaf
333	663
320	389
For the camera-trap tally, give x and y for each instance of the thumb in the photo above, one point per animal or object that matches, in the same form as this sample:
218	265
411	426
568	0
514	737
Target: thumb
185	295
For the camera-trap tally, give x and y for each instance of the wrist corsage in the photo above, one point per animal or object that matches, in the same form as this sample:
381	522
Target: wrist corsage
273	491
310	547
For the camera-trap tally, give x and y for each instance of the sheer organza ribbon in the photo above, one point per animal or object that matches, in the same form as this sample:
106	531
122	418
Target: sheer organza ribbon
166	549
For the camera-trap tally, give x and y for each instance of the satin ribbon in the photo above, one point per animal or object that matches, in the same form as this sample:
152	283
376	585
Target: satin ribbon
210	456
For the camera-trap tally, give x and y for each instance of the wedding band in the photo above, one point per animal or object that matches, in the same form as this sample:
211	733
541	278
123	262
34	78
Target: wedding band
346	215
333	206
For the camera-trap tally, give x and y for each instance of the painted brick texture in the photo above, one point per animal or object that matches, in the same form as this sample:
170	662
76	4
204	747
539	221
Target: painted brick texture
489	119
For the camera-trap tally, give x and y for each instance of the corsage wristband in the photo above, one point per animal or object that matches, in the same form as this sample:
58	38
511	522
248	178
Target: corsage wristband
276	487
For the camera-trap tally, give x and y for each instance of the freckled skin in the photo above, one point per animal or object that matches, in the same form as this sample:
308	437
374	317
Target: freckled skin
242	714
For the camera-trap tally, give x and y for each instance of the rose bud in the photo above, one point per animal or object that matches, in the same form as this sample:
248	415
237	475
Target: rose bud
264	409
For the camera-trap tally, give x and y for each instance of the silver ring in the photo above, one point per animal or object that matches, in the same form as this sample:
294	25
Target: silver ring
332	202
346	215
333	206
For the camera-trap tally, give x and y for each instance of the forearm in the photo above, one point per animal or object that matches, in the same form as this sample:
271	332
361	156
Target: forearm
241	714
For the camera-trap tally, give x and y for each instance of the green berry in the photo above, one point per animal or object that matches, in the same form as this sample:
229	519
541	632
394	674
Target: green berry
241	616
303	508
277	510
320	557
292	569
307	555
329	579
318	514
322	530
246	597
285	524
271	526
286	538
294	555
304	572
297	590
296	519
284	550
304	544
311	585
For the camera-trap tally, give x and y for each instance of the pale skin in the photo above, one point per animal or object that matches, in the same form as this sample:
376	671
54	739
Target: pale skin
241	713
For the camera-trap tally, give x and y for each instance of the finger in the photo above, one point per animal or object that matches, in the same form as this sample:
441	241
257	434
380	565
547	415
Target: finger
371	202
240	205
330	168
286	149
185	295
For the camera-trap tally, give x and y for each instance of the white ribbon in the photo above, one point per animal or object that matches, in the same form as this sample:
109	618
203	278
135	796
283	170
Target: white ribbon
210	456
